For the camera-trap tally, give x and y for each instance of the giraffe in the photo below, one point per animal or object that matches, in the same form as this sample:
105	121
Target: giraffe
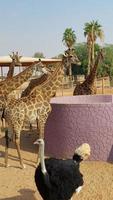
15	61
10	85
88	87
35	105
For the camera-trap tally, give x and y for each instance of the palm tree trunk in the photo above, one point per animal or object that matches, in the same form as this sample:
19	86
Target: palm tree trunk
93	56
92	49
89	59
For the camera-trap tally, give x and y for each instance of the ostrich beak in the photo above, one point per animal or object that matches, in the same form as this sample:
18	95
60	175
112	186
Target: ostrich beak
39	141
36	142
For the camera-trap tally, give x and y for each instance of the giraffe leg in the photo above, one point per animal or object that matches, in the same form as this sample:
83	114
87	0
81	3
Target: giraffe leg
17	142
31	128
6	148
0	127
38	130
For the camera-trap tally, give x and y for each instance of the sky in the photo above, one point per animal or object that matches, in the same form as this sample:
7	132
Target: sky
30	26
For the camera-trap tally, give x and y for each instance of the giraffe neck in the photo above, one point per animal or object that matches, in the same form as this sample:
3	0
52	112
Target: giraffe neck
55	82
33	83
11	70
52	83
7	86
91	77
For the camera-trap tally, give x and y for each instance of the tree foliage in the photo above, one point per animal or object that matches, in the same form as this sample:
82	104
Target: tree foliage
38	55
105	68
58	56
82	53
69	37
92	31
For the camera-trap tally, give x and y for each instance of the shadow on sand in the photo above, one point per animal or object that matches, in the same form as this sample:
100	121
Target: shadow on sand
110	158
26	144
25	194
26	141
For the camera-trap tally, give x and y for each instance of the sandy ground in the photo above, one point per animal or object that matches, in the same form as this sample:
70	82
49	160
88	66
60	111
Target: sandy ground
18	184
67	92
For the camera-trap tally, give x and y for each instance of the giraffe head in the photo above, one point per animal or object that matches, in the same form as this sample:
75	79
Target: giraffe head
70	57
16	58
40	69
101	54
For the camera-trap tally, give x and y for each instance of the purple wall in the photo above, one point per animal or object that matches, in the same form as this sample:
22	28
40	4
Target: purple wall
78	119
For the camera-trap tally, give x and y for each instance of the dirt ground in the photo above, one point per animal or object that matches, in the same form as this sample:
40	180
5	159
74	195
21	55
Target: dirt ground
18	184
67	92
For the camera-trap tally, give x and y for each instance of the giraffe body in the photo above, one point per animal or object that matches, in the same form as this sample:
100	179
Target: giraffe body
88	87
27	110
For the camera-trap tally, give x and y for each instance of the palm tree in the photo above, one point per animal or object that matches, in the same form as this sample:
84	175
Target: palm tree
92	31
69	38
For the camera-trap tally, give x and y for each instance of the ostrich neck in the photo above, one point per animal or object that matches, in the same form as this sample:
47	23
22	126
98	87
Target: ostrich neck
42	161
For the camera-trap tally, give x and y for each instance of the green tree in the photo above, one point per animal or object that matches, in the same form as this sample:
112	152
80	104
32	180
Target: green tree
69	37
39	55
58	56
92	31
82	53
106	69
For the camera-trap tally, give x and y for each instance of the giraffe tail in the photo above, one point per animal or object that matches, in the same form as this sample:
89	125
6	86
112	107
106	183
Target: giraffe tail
3	119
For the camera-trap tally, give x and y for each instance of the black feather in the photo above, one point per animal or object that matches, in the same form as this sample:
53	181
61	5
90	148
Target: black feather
77	158
64	179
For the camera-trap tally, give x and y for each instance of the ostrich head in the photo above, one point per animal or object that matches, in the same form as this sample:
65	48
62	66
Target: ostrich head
39	141
82	152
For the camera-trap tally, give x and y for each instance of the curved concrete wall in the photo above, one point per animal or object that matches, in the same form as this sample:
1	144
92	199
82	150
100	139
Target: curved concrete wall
78	119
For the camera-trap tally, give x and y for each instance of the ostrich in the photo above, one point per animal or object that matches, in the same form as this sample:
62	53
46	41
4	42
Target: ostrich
58	179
